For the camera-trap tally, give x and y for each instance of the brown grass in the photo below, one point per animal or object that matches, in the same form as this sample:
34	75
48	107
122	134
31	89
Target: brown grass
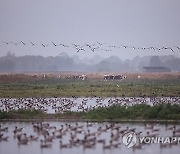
23	77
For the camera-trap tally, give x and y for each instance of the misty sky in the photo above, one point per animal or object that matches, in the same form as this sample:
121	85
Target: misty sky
139	23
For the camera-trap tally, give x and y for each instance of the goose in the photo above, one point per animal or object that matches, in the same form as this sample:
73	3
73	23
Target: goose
149	126
151	135
45	144
132	130
143	48
89	145
92	139
17	130
165	145
168	48
6	43
170	128
77	126
94	48
125	46
89	46
90	134
175	135
66	46
5	129
54	44
33	138
152	48
100	140
124	130
44	45
139	146
64	145
138	133
107	146
114	137
115	145
75	45
22	140
3	138
48	138
15	43
112	46
106	50
177	47
100	44
176	130
23	43
80	49
32	43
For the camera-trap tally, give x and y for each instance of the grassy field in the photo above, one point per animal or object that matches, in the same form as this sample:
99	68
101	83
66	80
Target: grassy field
53	87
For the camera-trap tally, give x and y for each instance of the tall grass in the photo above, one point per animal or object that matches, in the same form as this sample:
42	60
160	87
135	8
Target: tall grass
136	112
21	114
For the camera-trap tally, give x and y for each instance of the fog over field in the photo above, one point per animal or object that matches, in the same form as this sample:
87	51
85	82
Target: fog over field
63	62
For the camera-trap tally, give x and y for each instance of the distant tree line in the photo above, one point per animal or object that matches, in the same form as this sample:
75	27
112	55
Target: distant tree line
63	62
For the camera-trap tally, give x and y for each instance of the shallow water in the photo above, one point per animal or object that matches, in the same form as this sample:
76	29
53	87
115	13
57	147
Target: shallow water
11	146
53	105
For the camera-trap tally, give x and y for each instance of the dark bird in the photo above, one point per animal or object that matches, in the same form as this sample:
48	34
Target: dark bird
171	49
6	43
23	43
54	44
44	45
15	43
89	46
64	45
80	48
158	48
153	48
75	45
100	44
168	48
33	43
106	50
125	46
143	48
177	47
94	48
112	46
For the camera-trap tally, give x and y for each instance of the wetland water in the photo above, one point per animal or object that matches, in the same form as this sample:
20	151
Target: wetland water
59	105
82	137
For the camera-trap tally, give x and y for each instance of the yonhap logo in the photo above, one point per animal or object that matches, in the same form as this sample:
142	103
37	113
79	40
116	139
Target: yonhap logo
129	139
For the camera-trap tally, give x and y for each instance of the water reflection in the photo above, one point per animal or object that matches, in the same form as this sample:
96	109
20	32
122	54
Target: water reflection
81	137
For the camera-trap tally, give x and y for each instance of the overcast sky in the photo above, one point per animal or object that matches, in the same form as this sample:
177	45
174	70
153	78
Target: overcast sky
139	23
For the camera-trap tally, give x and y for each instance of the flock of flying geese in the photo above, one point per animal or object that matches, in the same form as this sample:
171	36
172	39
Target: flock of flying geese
97	46
87	135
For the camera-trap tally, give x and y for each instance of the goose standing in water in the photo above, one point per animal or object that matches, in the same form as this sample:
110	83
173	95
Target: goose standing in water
64	145
44	144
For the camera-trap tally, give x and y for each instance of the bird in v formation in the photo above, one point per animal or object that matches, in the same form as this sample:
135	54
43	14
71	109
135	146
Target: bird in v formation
92	47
